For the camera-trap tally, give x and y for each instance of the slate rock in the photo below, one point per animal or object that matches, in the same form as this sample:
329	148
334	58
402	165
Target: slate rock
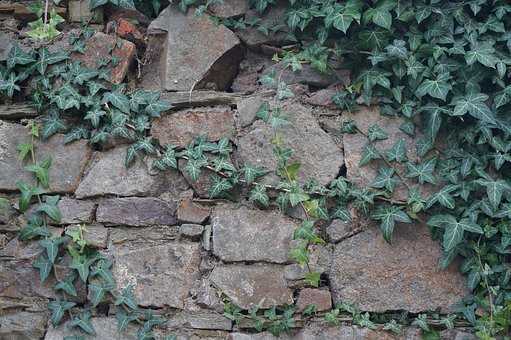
103	46
243	234
79	11
107	175
75	211
191	230
189	211
249	285
5	45
343	332
354	146
195	53
68	161
22	325
17	111
318	154
321	298
151	269
105	327
339	230
377	276
229	8
136	211
200	320
182	127
247	109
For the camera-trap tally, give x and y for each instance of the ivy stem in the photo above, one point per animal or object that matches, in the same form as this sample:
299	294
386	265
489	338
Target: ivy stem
46	6
490	298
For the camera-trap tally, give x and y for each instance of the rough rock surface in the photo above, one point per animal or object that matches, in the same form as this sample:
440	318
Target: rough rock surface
136	211
377	276
319	156
96	235
248	285
75	211
189	211
320	298
243	234
103	46
354	145
247	109
22	325
105	327
152	268
338	230
180	128
308	75
196	53
253	38
68	161
229	8
108	175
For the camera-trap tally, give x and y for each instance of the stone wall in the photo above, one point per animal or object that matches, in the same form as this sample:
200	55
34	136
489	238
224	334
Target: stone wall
183	252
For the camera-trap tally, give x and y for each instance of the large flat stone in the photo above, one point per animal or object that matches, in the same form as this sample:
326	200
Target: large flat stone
68	161
162	275
195	53
108	175
75	211
22	325
182	127
377	276
318	154
242	234
354	146
105	327
136	211
249	285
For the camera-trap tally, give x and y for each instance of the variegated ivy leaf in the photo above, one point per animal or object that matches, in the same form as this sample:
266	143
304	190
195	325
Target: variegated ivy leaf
375	132
495	190
454	229
258	194
58	308
385	179
398	152
388	216
368	154
83	321
422	171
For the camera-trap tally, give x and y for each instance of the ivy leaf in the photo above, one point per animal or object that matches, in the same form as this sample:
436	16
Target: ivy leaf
193	168
94	116
423	171
18	57
438	88
51	245
453	234
263	112
154	108
118	100
385	179
126	4
168	160
67	285
9	86
102	269
83	322
41	171
258	194
127	298
388	216
398	152
52	125
44	265
58	308
368	154
382	18
313	279
219	186
82	264
96	3
251	173
124	319
34	228
50	208
306	232
474	104
494	191
483	53
84	74
443	197
375	132
97	292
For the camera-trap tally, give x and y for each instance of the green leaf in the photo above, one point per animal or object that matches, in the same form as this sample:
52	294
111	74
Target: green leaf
155	108
118	100
193	168
483	53
102	269
398	152
382	18
82	264
423	171
474	104
50	208
168	159
375	132
388	216
96	3
52	125
44	265
453	234
251	173
124	319
443	197
18	57
83	322
67	285
51	245
385	179
263	112
127	298
218	186
97	292
258	194
58	308
438	88
494	191
313	279
368	154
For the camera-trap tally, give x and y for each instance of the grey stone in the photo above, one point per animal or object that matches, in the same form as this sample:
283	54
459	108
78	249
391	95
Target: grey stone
105	327
338	230
308	75
151	269
75	211
108	175
206	237
249	285
200	320
68	161
200	98
95	235
191	230
206	297
196	53
247	109
343	332
22	325
257	336
242	234
17	111
377	276
189	211
354	145
203	184
229	8
319	261
79	11
319	156
182	127
136	211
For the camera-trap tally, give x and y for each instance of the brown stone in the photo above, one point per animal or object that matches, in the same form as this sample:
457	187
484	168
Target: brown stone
136	211
162	275
68	160
108	175
75	211
95	235
339	230
378	276
193	53
242	234
249	285
320	298
229	8
322	98
182	127
79	11
189	211
105	327
22	325
103	46
200	186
